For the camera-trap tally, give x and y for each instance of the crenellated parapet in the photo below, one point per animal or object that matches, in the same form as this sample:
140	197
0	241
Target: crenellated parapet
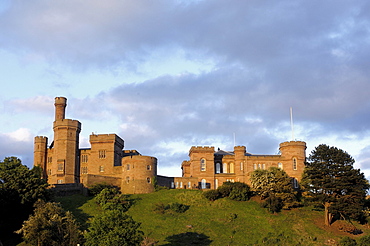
200	149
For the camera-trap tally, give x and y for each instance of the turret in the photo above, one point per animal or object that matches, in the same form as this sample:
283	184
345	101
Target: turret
40	153
60	108
293	156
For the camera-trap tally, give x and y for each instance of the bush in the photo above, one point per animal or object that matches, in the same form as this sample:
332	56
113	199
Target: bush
106	195
97	188
178	207
364	241
273	203
240	192
347	241
225	189
212	195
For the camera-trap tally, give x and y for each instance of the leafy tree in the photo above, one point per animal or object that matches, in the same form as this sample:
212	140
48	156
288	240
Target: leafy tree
50	225
114	228
20	188
274	182
98	187
111	198
329	179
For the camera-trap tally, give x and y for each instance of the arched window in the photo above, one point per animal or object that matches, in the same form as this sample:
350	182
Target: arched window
177	184
254	166
224	168
263	166
231	167
148	180
295	183
127	179
218	167
202	164
294	163
181	184
259	166
172	185
204	184
241	165
148	167
189	185
280	165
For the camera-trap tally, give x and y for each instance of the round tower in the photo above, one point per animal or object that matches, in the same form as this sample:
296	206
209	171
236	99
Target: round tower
139	174
40	153
60	108
293	157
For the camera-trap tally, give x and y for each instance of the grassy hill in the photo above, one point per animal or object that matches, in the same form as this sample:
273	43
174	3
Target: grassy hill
222	222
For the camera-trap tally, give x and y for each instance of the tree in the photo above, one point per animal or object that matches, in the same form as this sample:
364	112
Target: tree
20	188
115	228
50	225
329	179
274	184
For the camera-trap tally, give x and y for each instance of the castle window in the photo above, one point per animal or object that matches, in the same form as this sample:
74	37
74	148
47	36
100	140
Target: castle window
230	180
189	184
60	181
172	185
218	167
203	184
224	168
127	179
102	154
84	158
231	167
180	184
177	184
148	167
128	167
294	163
255	166
280	165
263	166
101	169
148	180
241	166
202	165
49	171
60	167
295	183
259	166
216	183
50	159
84	170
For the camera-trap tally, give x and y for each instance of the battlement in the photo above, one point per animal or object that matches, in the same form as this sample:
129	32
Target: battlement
41	139
67	123
201	149
106	138
293	143
240	148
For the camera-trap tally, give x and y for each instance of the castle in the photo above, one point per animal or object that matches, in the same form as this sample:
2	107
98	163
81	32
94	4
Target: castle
63	162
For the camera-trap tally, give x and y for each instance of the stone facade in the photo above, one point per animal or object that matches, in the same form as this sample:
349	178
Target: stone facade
213	168
63	162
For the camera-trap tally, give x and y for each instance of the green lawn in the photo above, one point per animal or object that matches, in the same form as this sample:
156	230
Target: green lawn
222	222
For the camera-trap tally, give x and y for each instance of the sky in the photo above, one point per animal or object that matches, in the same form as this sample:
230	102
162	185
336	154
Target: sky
167	75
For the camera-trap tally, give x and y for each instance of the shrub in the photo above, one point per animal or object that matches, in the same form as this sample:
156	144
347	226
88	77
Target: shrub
225	189
178	207
273	203
364	241
347	241
97	188
159	208
240	192
106	195
212	195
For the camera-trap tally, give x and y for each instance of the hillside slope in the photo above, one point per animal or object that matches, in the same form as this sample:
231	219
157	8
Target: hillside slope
222	222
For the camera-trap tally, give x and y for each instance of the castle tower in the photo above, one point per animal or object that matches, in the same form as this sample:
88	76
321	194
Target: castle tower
65	163
40	153
293	157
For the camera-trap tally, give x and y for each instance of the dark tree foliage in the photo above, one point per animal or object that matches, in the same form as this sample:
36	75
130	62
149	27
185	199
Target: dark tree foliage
97	188
114	228
329	179
51	225
111	198
20	188
233	190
